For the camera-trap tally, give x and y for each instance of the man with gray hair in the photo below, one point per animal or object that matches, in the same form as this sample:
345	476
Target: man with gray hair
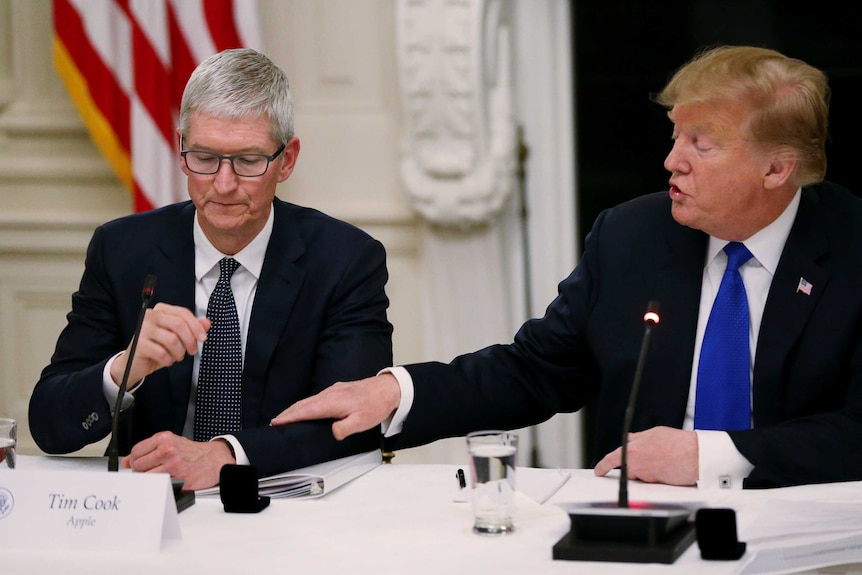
258	302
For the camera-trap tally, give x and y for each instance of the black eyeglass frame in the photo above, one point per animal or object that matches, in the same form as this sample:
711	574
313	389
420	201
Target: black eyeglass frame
222	158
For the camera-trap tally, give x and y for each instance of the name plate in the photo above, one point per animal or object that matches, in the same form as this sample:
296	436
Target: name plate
92	510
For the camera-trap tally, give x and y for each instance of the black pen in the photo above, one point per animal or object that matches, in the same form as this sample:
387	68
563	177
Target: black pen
462	482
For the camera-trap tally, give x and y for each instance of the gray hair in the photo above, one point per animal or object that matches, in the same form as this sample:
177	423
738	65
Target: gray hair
240	83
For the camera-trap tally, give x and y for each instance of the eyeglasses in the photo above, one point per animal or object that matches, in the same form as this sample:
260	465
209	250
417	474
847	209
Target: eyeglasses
245	165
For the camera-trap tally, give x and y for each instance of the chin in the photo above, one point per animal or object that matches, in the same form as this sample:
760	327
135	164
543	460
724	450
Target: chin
679	214
685	218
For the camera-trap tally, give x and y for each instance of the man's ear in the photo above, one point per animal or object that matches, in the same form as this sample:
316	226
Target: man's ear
291	153
779	170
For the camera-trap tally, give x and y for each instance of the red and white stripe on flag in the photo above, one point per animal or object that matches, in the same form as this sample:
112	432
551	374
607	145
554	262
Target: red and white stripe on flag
125	64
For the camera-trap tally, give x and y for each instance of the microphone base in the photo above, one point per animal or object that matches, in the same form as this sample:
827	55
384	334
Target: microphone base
640	533
184	499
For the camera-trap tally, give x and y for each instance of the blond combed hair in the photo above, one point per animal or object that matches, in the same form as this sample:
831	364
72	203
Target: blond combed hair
789	99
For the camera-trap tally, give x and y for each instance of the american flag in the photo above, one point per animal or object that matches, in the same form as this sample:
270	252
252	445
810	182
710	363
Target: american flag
804	286
125	64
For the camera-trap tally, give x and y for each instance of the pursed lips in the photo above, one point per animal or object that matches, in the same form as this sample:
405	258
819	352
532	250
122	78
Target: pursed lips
221	206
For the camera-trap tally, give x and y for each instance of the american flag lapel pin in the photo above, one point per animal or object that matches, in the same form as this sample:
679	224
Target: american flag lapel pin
804	286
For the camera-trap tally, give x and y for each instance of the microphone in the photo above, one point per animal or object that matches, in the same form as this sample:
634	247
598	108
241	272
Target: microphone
632	532
113	449
651	319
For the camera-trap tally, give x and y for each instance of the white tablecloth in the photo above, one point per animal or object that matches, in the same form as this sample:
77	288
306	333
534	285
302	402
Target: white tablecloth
403	519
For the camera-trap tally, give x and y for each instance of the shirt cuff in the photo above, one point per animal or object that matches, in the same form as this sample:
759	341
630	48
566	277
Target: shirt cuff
720	464
395	422
112	390
238	452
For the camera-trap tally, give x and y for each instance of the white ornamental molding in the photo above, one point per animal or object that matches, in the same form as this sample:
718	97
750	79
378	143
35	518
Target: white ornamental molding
460	139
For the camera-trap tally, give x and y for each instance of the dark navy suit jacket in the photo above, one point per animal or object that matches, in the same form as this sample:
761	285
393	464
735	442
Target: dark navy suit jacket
319	316
807	385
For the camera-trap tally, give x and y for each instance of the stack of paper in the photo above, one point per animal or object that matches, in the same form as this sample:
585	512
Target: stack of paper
790	536
315	480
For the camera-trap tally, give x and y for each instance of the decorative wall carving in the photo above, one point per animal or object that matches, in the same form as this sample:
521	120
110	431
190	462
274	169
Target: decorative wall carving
459	134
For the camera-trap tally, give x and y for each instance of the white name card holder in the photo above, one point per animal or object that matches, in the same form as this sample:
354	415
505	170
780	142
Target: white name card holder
91	510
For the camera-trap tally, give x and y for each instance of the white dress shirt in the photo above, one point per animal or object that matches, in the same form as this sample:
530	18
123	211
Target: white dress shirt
719	462
243	283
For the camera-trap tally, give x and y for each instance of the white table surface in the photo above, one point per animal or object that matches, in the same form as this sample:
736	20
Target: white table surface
399	518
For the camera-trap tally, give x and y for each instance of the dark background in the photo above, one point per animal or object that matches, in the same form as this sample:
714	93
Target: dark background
625	50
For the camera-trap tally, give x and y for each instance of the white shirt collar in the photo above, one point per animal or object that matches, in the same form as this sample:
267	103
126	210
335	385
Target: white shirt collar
767	244
250	257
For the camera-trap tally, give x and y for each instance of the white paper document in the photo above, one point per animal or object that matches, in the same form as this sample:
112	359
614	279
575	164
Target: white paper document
536	483
790	536
789	517
837	549
314	480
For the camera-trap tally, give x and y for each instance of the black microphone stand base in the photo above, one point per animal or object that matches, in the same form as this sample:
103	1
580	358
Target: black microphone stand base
641	533
184	499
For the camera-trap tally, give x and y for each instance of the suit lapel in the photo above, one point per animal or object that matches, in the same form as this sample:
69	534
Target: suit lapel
677	286
277	290
788	308
174	267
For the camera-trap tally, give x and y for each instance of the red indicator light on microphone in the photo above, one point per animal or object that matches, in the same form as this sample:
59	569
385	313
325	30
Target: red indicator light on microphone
651	317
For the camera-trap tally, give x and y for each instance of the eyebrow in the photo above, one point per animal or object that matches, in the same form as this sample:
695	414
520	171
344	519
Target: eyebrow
711	129
257	150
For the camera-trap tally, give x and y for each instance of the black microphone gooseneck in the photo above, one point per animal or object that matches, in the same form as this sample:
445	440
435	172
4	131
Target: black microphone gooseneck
623	531
651	318
113	449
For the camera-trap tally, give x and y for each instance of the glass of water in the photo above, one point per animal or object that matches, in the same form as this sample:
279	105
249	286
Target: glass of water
8	439
492	478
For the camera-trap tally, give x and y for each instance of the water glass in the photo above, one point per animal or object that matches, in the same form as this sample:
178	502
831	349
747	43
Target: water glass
8	441
492	479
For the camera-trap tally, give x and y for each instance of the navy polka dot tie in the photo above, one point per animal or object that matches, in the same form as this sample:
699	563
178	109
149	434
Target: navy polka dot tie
723	374
217	405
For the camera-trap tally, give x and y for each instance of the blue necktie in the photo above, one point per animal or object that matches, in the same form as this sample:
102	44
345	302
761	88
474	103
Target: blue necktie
218	400
723	374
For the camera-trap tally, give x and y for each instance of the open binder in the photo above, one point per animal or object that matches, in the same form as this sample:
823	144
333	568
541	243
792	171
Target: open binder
314	480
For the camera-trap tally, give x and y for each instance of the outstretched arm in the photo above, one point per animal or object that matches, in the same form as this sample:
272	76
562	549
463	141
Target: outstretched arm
355	405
